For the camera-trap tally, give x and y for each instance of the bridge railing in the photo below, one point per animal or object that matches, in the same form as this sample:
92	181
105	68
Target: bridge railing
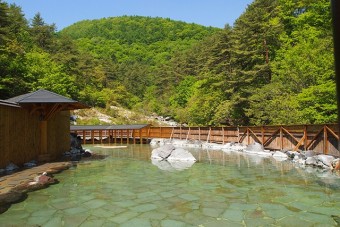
320	138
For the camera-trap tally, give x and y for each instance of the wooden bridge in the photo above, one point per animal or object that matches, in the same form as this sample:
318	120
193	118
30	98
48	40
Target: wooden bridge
320	138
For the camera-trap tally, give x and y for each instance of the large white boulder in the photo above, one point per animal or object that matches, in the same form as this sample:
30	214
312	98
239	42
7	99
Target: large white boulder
169	158
179	154
255	147
325	159
162	152
280	156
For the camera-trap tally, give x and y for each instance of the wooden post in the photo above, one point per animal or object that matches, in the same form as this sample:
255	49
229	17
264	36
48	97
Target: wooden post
281	138
180	132
223	135
160	132
208	138
262	133
305	134
325	140
92	136
188	134
121	136
199	133
43	137
101	136
172	133
141	136
133	136
248	138
84	137
128	136
115	136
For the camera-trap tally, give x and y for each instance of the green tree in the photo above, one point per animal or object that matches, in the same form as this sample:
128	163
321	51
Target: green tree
42	33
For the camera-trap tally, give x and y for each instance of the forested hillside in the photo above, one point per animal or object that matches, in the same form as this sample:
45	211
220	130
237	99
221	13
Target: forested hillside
273	66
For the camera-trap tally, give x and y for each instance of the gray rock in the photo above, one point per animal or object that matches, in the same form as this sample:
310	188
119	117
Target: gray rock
325	159
156	141
30	164
335	162
162	152
179	154
292	154
280	156
311	161
181	165
11	167
309	153
254	147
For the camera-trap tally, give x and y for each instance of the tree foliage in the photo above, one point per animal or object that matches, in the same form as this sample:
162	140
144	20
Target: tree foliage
274	66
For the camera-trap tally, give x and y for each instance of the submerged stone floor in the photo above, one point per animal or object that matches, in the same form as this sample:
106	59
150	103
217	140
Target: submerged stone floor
14	186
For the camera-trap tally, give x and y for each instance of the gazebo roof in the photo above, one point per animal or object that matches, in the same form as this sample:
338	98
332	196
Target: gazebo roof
45	103
7	103
46	97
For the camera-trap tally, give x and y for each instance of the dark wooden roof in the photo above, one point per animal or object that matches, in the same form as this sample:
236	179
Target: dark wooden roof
41	96
7	103
107	127
46	97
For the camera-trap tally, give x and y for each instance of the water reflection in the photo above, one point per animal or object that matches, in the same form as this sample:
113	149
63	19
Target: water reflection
171	165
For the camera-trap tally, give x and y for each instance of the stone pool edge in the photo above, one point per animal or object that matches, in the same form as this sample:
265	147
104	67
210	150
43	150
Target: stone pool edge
14	187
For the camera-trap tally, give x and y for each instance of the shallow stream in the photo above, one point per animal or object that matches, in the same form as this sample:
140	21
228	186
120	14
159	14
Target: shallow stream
221	189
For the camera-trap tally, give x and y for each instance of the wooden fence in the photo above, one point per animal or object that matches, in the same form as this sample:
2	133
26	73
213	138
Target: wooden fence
320	138
20	136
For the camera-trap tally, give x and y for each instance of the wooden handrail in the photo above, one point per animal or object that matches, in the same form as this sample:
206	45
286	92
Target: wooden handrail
271	137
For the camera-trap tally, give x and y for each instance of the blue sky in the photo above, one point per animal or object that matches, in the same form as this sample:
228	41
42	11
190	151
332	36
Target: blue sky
63	13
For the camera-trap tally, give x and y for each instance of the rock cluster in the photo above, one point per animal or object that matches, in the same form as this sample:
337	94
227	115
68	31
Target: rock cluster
76	151
303	159
11	167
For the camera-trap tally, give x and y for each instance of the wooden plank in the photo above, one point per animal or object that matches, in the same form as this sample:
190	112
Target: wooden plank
252	132
314	138
288	133
43	137
188	134
270	137
332	132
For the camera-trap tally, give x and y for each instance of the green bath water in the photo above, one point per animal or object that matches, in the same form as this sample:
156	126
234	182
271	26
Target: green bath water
221	189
